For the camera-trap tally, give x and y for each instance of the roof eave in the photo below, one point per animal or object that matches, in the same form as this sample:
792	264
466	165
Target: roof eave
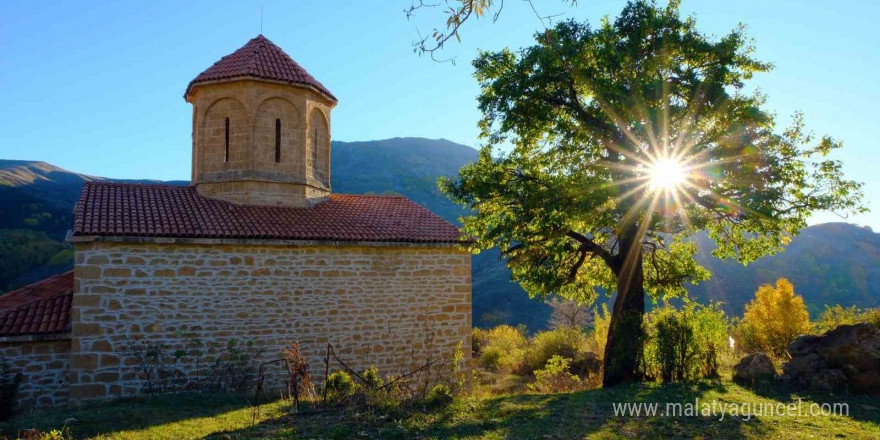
189	89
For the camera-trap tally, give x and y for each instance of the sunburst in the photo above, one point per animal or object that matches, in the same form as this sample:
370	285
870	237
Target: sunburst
666	174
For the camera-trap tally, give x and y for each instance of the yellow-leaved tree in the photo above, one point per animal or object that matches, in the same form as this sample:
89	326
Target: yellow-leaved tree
773	319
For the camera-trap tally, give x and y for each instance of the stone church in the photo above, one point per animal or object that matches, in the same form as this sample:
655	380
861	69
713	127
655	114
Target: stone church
256	248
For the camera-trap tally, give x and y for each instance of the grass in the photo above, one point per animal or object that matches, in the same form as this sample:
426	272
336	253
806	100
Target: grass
586	414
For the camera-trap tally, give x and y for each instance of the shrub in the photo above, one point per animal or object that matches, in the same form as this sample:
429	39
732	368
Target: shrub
675	345
371	377
158	367
502	349
439	396
599	335
555	377
338	386
684	344
871	316
33	434
833	317
235	369
478	340
565	342
773	319
712	329
836	316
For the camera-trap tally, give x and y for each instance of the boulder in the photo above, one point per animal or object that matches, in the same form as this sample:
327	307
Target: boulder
753	368
847	357
801	369
803	345
828	380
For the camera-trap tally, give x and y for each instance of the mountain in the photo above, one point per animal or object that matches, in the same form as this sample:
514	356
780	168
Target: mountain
36	210
833	263
52	184
830	263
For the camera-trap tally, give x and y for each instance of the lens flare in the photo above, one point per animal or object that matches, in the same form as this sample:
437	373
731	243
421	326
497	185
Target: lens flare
665	174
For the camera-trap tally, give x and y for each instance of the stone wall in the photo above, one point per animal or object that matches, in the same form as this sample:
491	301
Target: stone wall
387	306
43	365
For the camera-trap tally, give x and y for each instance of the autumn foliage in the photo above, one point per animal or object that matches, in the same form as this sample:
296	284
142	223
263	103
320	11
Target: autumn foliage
773	319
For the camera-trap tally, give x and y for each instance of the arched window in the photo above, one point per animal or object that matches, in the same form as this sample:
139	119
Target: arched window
226	151
277	140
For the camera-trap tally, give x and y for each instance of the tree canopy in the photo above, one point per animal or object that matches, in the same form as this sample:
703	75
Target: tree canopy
588	113
624	141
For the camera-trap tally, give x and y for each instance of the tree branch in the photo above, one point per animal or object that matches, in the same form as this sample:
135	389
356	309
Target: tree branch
594	248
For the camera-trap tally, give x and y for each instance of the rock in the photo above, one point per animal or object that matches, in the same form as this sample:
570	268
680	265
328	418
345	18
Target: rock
802	369
753	368
803	345
828	380
847	357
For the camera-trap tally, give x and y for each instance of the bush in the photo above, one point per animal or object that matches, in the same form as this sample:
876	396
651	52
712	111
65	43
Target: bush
439	396
160	366
836	316
555	377
338	386
599	335
478	340
371	377
684	344
502	349
235	369
871	316
773	319
675	345
565	342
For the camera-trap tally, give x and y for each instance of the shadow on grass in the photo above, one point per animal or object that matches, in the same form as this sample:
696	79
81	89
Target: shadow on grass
861	407
130	414
575	415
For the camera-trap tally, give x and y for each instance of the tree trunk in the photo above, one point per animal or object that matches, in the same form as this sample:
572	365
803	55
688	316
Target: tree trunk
623	349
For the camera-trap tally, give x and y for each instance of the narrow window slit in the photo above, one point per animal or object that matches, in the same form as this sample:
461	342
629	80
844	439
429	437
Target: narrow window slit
226	154
277	140
315	153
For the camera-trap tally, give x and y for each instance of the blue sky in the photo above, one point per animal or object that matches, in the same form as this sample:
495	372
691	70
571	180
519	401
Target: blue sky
96	87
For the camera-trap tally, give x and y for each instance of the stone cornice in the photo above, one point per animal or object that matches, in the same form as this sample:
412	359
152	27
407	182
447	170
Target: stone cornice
251	241
259	176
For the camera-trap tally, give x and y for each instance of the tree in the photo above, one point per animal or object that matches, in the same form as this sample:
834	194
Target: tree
773	319
569	314
624	141
459	12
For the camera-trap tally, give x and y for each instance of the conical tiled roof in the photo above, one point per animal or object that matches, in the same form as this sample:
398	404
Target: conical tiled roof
259	58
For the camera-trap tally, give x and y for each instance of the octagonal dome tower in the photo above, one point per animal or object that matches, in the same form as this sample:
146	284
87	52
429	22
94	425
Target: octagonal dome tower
261	129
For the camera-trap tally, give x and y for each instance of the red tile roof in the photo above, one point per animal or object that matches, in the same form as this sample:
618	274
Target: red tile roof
259	58
117	209
39	308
